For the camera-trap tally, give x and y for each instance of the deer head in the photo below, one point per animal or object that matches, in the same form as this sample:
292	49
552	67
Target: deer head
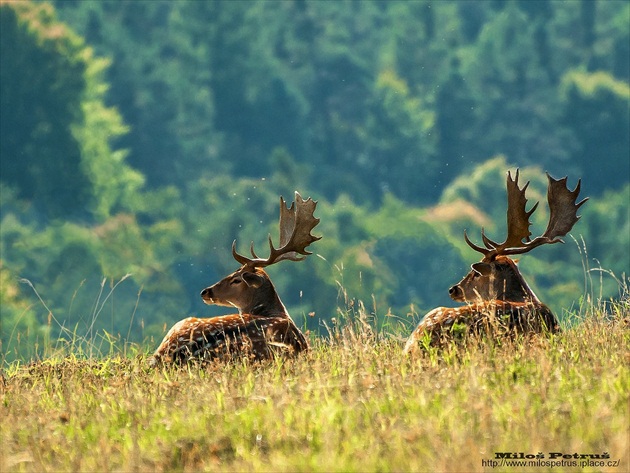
249	289
498	279
496	276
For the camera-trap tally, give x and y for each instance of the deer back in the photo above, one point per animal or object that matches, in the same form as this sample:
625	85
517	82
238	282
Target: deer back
490	318
229	337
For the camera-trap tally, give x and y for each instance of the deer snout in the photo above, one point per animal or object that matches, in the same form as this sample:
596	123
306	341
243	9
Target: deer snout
456	293
207	295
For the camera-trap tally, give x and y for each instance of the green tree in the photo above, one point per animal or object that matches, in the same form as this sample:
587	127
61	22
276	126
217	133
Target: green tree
42	79
160	81
61	185
516	105
397	142
56	129
606	230
596	108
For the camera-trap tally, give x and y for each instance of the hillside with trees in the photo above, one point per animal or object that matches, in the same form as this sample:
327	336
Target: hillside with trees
139	139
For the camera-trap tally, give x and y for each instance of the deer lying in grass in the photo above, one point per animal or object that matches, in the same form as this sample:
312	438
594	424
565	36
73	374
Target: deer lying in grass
498	298
262	327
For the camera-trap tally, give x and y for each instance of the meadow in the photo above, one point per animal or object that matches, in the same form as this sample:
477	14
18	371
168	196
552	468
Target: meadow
354	402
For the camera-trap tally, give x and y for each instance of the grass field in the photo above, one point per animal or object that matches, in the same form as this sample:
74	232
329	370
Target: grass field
353	403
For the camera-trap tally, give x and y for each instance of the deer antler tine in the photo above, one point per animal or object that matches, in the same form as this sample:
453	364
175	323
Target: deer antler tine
490	244
271	247
532	210
475	247
576	191
523	191
251	250
239	258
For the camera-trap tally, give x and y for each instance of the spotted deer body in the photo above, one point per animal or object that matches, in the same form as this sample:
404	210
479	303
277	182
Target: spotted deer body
262	328
498	299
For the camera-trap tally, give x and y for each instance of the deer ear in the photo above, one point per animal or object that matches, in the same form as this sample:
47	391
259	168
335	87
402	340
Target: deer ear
253	279
482	268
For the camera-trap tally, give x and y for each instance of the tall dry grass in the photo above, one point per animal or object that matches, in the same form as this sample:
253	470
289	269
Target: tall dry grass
353	403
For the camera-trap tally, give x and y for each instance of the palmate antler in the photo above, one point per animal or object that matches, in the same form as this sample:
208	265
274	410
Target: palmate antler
296	224
563	215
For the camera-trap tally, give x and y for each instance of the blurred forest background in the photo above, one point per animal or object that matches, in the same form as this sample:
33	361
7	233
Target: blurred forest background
140	138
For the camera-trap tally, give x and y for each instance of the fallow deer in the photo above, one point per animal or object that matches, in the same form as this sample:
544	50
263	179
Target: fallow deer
498	298
263	327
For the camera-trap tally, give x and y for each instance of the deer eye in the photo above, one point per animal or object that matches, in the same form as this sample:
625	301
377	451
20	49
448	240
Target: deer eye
235	281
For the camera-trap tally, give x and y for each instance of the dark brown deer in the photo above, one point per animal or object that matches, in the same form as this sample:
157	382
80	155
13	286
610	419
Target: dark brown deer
498	298
262	328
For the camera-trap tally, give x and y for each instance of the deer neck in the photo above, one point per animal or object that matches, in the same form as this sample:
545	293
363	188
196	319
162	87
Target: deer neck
510	284
265	302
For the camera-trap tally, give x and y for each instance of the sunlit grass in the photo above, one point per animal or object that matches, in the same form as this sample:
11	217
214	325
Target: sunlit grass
353	403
